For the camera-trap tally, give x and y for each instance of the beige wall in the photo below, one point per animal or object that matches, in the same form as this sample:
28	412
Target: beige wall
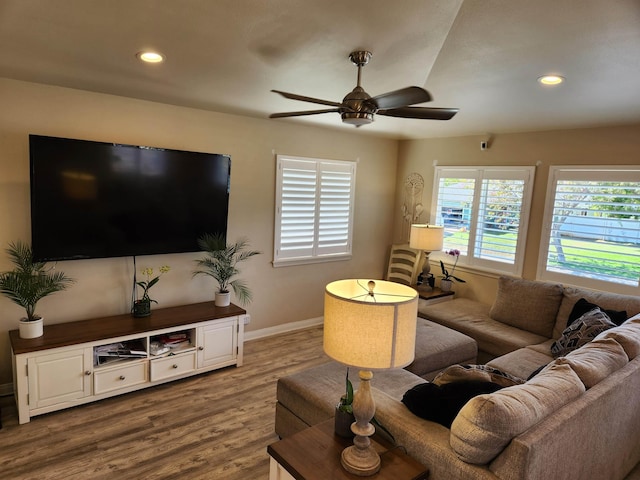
596	146
281	295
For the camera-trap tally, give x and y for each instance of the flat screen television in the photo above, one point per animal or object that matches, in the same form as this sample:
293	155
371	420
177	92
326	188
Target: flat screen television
96	200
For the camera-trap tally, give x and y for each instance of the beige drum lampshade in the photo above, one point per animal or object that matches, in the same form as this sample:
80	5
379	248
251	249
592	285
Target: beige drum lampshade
370	324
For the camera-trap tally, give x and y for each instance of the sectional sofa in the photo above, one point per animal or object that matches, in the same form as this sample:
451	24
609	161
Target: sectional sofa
569	416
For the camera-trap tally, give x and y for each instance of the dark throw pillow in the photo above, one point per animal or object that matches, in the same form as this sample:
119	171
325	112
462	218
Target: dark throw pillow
581	332
536	371
583	306
442	403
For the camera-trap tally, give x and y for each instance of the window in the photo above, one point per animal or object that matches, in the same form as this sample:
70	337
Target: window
485	214
591	230
314	210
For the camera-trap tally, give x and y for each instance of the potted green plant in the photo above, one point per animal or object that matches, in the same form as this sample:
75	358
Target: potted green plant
142	306
344	415
28	283
220	263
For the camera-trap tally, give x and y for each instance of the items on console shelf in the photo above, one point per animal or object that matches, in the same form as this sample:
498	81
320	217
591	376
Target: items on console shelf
167	342
118	351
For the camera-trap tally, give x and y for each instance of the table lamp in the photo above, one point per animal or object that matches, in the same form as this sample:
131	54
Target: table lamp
370	325
428	238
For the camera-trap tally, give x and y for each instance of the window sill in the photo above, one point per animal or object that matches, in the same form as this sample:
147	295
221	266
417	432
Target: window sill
290	262
474	270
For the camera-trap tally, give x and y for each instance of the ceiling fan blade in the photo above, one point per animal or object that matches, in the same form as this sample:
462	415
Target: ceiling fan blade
421	113
302	98
299	114
401	98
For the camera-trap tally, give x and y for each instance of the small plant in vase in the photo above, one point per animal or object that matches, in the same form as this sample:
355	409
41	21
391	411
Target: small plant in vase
344	412
220	263
142	307
448	277
28	283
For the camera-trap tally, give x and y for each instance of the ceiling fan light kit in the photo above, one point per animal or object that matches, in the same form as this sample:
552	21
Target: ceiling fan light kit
357	118
359	108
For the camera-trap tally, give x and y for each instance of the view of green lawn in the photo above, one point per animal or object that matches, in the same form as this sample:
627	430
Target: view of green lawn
598	257
582	257
496	246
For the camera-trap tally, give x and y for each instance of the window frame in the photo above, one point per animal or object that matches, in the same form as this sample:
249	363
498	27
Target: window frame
478	174
576	173
316	253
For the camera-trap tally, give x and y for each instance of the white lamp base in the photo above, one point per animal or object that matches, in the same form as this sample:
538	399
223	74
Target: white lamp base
362	462
426	269
361	458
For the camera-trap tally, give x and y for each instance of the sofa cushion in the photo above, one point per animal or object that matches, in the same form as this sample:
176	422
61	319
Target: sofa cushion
487	423
522	362
627	335
581	332
527	304
478	373
437	347
441	403
472	318
583	306
606	300
596	361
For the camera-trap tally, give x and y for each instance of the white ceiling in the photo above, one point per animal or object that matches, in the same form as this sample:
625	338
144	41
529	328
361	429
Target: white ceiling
481	56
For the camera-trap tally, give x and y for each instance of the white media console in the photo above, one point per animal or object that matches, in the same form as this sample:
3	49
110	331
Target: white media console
88	360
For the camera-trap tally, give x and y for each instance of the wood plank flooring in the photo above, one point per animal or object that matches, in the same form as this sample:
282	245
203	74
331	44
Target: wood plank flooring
213	426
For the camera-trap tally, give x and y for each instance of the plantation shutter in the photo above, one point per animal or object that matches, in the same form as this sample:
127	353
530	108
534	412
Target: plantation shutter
484	212
314	208
594	225
502	216
335	209
297	213
455	206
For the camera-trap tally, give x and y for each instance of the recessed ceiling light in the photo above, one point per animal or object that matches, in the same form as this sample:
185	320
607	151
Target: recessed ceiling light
150	57
551	80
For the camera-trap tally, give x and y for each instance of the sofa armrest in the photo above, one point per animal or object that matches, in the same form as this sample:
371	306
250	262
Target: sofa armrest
604	422
426	441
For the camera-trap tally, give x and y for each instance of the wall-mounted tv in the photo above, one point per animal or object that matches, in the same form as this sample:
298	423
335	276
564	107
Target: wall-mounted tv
96	200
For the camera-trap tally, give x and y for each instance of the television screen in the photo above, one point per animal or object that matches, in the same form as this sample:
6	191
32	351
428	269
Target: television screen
95	200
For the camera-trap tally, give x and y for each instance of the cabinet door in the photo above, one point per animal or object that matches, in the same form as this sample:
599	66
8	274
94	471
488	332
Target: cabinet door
218	343
59	377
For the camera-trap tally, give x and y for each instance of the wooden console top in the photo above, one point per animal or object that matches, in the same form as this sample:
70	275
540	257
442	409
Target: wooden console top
96	329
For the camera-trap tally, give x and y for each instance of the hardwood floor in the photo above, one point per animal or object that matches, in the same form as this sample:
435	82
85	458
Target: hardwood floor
213	426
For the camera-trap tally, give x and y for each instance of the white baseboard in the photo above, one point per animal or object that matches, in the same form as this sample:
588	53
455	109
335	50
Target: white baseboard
287	327
6	389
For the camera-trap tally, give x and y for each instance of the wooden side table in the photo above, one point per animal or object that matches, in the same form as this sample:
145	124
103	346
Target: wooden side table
314	454
433	295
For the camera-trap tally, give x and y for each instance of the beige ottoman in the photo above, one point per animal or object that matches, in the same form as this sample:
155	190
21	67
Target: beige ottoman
438	347
310	396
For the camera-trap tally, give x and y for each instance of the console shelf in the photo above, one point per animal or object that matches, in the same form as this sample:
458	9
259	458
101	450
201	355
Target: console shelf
63	367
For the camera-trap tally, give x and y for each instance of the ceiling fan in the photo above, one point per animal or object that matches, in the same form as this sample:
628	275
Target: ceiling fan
358	107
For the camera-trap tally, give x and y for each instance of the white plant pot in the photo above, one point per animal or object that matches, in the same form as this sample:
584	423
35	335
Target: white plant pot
445	285
32	329
223	299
